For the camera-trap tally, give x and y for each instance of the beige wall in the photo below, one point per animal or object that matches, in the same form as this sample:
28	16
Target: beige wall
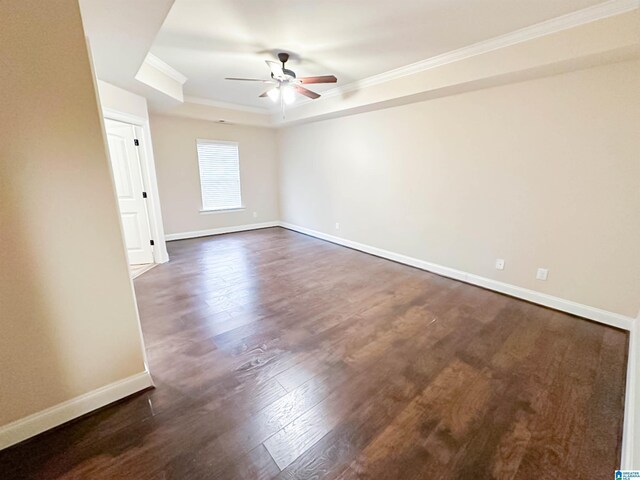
542	173
174	144
68	317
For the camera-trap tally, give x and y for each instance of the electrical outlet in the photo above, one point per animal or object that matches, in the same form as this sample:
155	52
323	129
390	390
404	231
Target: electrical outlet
542	274
499	264
337	226
255	214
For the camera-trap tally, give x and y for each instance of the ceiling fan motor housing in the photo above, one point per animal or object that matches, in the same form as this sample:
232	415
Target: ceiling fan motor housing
284	58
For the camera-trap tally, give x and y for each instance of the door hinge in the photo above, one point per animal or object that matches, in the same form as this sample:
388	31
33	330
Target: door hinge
152	242
144	194
136	142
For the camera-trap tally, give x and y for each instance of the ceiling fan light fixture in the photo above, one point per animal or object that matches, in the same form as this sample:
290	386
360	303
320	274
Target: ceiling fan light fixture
287	85
274	94
288	94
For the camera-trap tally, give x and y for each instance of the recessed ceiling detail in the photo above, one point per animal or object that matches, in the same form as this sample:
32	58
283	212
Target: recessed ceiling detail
208	41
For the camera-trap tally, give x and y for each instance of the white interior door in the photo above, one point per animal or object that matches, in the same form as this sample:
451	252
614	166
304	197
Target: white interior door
127	174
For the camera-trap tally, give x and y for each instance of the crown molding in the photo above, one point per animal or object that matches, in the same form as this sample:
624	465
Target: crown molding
538	30
225	105
547	27
165	68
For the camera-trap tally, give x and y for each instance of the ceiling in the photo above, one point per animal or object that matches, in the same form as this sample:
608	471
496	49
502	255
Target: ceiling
121	33
353	39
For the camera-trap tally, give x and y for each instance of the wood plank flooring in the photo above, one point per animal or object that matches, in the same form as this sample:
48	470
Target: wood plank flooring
280	356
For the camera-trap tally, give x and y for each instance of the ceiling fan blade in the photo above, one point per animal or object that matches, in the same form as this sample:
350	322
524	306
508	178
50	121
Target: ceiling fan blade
276	70
306	92
249	79
266	93
320	79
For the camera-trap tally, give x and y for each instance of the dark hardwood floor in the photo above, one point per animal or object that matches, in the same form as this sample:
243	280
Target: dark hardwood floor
277	355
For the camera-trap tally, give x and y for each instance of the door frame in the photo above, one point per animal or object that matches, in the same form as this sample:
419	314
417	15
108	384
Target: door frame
149	179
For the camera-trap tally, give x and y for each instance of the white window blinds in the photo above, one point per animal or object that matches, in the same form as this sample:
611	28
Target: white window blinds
219	175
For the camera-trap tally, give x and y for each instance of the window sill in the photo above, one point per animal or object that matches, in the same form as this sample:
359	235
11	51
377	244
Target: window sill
223	210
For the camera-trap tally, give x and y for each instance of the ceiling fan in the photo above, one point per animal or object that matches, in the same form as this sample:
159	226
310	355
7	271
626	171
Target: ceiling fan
286	84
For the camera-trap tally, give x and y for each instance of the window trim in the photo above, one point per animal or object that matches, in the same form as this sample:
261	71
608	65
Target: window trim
223	210
203	210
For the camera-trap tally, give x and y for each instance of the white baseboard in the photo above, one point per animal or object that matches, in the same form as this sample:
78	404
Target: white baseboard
44	420
217	231
592	313
631	429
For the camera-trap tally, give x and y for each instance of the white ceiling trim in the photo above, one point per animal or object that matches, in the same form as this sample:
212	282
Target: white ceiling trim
165	68
554	25
229	106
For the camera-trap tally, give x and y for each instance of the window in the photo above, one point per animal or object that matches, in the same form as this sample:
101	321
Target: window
219	175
